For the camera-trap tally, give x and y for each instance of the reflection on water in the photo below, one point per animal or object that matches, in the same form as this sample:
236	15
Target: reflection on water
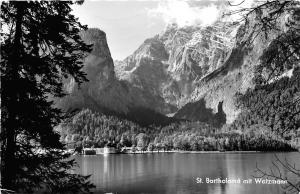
176	173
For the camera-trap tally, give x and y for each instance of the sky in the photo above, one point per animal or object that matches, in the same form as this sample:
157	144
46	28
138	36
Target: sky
128	23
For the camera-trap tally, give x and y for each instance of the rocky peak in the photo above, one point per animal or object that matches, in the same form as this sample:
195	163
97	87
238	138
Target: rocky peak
169	64
99	68
96	37
151	48
199	50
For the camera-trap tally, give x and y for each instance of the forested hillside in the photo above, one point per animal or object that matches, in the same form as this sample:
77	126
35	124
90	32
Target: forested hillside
273	107
92	129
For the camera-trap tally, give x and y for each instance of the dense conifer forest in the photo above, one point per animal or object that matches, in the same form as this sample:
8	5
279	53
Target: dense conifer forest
92	129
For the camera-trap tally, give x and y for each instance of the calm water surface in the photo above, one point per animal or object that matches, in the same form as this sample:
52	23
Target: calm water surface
176	172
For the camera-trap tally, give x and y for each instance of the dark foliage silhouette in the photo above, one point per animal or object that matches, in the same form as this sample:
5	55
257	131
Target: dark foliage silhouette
40	46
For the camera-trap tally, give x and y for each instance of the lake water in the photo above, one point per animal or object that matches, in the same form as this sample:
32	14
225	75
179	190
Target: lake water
177	172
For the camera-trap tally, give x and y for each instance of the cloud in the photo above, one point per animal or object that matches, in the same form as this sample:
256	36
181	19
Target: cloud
199	12
182	13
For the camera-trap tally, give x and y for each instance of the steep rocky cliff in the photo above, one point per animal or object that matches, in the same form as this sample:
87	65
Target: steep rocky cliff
105	93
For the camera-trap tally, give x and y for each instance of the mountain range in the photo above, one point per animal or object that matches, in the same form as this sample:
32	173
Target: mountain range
186	73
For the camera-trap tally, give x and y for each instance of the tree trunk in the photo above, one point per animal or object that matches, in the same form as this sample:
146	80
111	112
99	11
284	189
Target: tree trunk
9	163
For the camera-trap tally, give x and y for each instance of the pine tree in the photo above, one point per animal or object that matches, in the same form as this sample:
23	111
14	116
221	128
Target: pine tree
40	46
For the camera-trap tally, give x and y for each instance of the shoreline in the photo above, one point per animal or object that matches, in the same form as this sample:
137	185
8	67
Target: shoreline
190	152
207	152
193	152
